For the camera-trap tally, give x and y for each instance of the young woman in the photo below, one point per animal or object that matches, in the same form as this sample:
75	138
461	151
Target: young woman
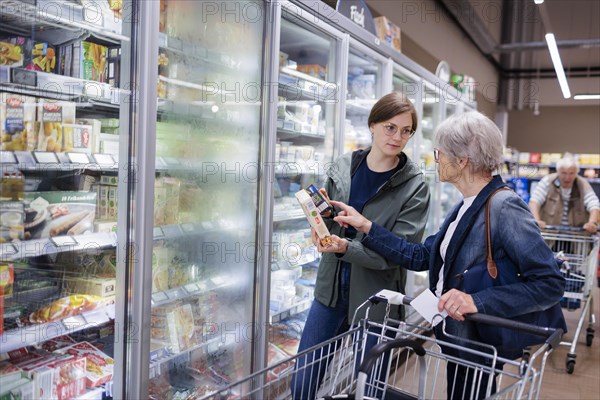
385	185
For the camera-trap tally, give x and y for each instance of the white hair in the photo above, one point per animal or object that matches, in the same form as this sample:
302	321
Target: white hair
567	162
474	136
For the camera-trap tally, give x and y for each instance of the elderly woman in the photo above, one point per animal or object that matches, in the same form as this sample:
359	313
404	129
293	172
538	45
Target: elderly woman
469	149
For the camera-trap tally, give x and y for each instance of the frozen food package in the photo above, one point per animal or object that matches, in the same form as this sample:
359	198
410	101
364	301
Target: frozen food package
67	306
52	115
17	122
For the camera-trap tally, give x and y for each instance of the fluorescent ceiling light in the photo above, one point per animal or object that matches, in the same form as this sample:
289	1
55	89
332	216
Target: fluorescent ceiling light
538	1
558	67
587	97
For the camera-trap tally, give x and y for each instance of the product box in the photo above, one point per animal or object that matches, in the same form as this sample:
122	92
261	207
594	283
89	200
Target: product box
12	219
50	214
103	226
18	126
110	180
94	62
52	115
6	280
98	367
78	138
314	216
112	203
388	32
16	51
103	287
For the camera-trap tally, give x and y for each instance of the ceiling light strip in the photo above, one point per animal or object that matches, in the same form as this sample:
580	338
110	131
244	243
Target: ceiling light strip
558	67
587	97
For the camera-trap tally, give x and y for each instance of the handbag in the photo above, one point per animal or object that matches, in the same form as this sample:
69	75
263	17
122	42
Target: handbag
508	342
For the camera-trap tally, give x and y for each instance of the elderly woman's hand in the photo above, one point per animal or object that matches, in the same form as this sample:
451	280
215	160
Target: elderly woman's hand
349	216
339	244
591	227
457	304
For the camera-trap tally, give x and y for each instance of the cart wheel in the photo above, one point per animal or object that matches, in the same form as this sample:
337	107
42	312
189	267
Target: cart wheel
570	366
588	339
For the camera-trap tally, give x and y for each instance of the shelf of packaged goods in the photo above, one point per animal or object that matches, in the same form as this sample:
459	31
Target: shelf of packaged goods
359	106
165	356
42	161
296	308
49	15
294	215
200	55
283	133
57	244
43	84
191	289
32	334
175	231
553	165
292	169
294	93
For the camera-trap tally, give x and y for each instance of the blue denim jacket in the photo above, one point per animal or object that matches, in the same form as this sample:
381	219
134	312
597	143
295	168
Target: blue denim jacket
515	238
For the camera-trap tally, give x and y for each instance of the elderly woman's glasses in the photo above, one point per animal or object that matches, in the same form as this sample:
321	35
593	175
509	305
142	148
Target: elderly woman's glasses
436	154
391	130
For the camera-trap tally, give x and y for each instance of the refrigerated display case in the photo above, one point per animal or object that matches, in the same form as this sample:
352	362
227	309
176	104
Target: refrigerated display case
369	78
309	72
60	109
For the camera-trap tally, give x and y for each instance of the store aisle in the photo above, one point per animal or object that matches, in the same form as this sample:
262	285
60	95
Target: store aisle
584	383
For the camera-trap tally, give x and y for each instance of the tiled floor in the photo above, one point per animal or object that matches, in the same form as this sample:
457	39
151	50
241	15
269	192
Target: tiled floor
584	383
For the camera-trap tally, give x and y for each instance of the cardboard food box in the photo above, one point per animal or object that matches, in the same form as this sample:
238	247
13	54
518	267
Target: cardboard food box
94	62
98	367
314	216
49	214
12	218
52	115
18	126
388	32
103	287
78	138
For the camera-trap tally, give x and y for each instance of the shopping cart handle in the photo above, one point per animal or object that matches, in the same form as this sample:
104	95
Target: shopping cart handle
383	347
564	228
390	297
551	334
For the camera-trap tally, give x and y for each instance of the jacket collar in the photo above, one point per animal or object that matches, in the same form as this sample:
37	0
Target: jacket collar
463	229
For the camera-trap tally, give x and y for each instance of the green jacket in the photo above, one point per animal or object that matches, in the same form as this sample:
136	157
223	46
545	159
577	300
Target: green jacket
400	205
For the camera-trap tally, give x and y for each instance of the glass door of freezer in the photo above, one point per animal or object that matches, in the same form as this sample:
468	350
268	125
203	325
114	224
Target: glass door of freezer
307	122
431	118
205	195
366	84
61	108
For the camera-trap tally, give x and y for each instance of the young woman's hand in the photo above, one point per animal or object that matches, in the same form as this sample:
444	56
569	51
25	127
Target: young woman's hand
323	191
349	216
339	245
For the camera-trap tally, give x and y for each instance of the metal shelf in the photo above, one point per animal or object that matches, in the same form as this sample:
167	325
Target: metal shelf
47	15
57	244
27	161
42	84
32	334
292	134
297	308
189	290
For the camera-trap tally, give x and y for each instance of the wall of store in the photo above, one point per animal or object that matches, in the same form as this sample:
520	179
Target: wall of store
430	34
555	130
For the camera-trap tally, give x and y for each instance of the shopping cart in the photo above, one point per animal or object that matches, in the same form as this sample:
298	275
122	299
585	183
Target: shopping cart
405	363
579	250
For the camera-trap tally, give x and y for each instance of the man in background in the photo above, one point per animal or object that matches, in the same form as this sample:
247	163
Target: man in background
564	198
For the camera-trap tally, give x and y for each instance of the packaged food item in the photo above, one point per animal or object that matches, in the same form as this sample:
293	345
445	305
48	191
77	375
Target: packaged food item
78	138
17	122
94	66
6	280
52	115
98	366
103	287
388	32
314	216
12	217
68	306
57	343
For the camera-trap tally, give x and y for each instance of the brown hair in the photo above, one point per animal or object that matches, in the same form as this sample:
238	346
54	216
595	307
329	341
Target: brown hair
389	106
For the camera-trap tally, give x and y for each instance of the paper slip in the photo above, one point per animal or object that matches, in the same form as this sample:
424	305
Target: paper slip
426	305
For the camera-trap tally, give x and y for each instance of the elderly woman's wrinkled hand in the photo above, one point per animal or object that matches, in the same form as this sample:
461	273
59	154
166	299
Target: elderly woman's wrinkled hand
457	304
349	216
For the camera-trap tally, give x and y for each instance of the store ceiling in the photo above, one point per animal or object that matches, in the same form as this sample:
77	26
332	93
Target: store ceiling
510	33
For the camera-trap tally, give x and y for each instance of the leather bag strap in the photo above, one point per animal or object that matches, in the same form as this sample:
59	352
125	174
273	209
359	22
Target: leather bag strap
491	264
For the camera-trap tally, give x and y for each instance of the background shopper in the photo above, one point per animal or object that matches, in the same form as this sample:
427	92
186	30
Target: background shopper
389	188
565	198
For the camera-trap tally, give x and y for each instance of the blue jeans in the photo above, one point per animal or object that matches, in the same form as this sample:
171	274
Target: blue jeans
323	323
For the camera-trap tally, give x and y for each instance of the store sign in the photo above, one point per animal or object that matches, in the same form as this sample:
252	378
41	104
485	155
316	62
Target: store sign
358	12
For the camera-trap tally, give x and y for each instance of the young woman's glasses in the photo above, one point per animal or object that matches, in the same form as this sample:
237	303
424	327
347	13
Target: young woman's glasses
391	130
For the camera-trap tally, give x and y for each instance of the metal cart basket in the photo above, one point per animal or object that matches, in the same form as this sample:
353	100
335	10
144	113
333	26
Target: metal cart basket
406	363
579	250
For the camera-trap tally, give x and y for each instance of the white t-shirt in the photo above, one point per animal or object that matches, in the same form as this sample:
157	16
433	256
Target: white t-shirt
467	202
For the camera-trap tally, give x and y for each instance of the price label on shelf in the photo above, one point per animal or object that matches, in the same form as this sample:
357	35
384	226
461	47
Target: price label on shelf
45	157
74	322
62	241
7	157
78	158
188	228
191	288
158	233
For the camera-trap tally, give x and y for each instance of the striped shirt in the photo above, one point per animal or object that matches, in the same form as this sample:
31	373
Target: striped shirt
590	200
